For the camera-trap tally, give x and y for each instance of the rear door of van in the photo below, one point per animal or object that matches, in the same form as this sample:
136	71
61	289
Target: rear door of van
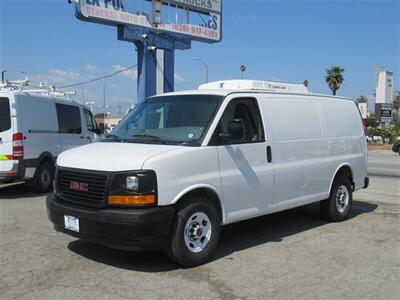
6	133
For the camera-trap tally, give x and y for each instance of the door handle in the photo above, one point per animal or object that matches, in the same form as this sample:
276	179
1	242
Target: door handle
82	137
269	154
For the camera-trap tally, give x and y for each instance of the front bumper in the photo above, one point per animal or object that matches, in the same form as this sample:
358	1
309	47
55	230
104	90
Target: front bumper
140	229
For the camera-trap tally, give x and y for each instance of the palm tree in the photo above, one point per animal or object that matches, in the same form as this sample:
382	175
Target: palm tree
334	78
242	70
396	101
362	99
306	83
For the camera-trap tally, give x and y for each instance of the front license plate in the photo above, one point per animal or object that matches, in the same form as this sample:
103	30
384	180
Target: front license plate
71	223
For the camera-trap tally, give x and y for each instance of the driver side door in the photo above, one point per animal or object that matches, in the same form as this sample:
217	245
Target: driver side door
246	174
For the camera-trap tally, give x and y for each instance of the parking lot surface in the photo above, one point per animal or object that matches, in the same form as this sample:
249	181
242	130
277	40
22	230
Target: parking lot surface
293	254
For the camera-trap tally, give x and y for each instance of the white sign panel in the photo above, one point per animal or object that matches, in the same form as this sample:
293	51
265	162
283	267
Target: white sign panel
198	5
363	107
113	12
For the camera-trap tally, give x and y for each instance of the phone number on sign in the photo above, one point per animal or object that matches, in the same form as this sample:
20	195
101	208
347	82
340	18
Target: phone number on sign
195	30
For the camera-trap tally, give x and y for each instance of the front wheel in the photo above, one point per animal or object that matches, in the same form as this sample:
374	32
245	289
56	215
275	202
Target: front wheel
195	233
337	206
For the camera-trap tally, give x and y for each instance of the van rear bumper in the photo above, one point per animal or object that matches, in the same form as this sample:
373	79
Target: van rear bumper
140	229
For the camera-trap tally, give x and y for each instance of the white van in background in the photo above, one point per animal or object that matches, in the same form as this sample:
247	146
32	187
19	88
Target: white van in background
34	128
182	164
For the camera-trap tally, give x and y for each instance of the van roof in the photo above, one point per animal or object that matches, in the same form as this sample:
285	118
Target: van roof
34	93
226	87
225	93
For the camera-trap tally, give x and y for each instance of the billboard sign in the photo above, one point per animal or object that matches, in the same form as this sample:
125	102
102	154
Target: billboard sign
386	113
113	12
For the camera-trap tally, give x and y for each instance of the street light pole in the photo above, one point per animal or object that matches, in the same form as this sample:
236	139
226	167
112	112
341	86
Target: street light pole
204	64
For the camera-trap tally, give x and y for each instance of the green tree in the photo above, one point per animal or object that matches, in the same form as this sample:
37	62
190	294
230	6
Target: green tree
396	101
306	83
362	99
334	78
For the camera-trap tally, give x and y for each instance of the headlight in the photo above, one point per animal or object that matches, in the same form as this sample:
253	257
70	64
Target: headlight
132	183
136	188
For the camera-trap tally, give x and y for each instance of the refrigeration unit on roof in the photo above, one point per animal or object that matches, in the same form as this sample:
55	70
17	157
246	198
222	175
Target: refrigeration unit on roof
255	85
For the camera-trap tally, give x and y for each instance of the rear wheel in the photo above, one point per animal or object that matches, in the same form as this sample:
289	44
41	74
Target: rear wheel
195	234
338	205
44	177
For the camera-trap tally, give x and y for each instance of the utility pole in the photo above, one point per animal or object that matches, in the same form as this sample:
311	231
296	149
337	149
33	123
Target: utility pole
204	64
83	93
104	104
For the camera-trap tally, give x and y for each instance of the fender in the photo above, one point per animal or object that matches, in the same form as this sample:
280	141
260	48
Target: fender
201	186
346	164
35	162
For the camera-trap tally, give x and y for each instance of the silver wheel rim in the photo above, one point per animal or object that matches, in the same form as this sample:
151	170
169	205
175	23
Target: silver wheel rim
45	177
197	232
342	198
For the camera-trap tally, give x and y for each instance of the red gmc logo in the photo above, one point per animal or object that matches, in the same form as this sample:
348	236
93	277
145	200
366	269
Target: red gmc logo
79	186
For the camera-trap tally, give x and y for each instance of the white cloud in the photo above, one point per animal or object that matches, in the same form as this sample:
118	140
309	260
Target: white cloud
131	74
57	76
274	78
178	77
91	68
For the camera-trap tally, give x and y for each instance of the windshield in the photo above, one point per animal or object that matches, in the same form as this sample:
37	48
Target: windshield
5	118
168	120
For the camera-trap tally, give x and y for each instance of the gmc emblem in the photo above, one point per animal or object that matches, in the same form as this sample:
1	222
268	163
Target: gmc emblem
79	186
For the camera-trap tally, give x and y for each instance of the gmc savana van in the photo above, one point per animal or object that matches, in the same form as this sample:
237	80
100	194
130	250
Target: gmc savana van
35	126
183	164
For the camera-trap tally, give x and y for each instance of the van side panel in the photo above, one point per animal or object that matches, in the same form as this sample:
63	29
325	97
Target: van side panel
299	149
37	120
346	140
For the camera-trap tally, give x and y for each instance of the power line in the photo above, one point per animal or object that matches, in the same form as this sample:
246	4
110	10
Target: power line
98	78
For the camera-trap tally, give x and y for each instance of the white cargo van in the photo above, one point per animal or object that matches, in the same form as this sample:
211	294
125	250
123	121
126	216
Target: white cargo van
182	164
34	128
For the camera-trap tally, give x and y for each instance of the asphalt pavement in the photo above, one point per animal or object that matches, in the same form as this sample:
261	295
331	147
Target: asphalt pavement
293	254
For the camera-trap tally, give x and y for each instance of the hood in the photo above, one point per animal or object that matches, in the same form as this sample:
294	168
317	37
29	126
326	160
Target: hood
111	156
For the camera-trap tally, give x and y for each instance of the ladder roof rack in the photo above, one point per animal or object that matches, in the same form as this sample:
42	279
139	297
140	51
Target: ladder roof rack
43	89
258	85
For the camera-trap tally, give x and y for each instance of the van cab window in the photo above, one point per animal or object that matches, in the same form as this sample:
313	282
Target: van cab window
69	119
246	112
169	120
91	123
5	118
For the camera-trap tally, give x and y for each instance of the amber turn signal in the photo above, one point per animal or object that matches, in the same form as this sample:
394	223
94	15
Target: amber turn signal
132	200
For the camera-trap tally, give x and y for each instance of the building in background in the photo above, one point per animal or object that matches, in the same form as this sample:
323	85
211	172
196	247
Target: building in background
108	122
384	87
384	98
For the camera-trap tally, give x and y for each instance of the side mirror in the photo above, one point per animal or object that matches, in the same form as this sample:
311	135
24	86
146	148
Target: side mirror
235	131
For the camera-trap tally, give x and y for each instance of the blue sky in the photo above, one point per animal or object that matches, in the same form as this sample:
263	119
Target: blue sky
283	40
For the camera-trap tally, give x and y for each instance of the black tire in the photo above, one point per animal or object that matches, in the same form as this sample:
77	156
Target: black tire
44	176
335	207
177	249
398	150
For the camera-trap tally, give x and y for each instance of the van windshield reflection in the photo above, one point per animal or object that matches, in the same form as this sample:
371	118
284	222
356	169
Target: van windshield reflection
181	119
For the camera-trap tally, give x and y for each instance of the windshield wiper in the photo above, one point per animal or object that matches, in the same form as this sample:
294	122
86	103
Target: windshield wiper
153	137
